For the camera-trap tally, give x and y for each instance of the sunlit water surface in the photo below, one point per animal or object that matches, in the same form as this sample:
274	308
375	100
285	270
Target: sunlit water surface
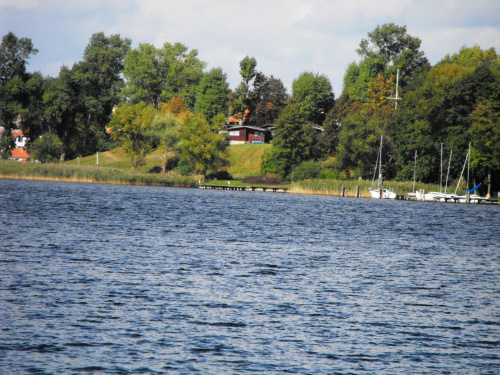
110	279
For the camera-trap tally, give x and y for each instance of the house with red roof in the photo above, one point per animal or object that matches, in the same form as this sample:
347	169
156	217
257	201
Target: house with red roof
20	150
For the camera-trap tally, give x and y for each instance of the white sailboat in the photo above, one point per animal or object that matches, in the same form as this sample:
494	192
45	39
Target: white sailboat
379	192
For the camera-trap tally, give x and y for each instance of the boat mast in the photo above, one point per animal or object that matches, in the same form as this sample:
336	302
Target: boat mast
468	167
396	97
414	170
447	174
461	174
441	174
380	163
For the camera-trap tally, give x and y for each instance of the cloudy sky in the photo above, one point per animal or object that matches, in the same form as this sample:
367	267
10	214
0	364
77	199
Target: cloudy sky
287	37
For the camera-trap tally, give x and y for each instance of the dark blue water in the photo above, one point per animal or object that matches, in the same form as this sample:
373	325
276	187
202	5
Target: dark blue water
102	279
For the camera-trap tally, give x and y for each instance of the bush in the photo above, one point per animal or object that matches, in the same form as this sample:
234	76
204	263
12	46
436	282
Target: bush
329	173
184	167
220	175
307	170
48	148
262	180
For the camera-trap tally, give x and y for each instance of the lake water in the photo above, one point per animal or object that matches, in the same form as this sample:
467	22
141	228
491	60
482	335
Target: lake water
104	279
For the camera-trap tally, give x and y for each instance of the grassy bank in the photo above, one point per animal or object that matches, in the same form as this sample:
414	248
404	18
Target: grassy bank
91	174
246	159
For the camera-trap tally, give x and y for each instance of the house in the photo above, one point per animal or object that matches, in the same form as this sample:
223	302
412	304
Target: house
19	152
240	133
248	134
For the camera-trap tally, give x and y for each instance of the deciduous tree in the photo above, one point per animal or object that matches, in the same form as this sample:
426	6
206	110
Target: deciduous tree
156	75
202	145
131	126
213	92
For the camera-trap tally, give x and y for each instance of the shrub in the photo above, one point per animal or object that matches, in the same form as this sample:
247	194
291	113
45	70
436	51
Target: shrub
220	175
263	179
307	170
48	148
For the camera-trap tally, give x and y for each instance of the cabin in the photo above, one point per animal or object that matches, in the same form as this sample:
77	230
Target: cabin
248	134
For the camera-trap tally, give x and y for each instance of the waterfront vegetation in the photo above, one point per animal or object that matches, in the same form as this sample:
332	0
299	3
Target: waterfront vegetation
91	174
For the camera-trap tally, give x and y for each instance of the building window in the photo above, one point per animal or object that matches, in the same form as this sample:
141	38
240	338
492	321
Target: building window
234	132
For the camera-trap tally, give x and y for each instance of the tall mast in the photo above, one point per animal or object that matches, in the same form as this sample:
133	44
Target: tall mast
414	170
380	163
468	168
396	98
447	174
441	174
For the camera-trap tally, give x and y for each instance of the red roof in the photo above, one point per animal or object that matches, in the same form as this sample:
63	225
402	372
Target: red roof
20	153
17	133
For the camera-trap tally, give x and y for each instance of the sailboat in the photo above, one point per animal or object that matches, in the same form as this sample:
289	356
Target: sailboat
434	195
379	192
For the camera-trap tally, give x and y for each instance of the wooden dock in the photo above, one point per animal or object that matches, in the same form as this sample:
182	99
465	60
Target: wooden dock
244	188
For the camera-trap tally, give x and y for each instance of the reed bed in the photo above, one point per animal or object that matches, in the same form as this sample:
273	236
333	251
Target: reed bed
334	187
90	174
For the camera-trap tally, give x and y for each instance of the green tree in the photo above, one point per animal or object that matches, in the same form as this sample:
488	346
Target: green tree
202	145
387	49
485	135
131	126
157	75
212	94
394	49
47	148
359	141
267	99
312	93
294	143
166	129
344	106
240	99
99	81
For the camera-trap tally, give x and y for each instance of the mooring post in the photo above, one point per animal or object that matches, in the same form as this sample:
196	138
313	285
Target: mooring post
344	189
357	191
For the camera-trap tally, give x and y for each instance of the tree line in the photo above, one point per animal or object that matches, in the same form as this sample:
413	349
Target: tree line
150	97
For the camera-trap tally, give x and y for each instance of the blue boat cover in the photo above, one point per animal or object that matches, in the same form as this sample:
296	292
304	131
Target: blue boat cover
473	189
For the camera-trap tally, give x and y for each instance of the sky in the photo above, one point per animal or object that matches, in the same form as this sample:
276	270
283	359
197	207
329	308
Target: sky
286	37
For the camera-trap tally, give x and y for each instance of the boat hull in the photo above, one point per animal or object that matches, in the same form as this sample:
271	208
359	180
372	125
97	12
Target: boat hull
386	194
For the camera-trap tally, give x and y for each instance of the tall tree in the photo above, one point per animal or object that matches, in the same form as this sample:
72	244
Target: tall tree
247	72
131	126
212	94
313	94
156	75
387	49
202	144
359	140
99	80
166	128
294	143
267	99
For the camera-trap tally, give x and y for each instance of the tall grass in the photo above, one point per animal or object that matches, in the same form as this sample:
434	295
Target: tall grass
92	174
334	187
